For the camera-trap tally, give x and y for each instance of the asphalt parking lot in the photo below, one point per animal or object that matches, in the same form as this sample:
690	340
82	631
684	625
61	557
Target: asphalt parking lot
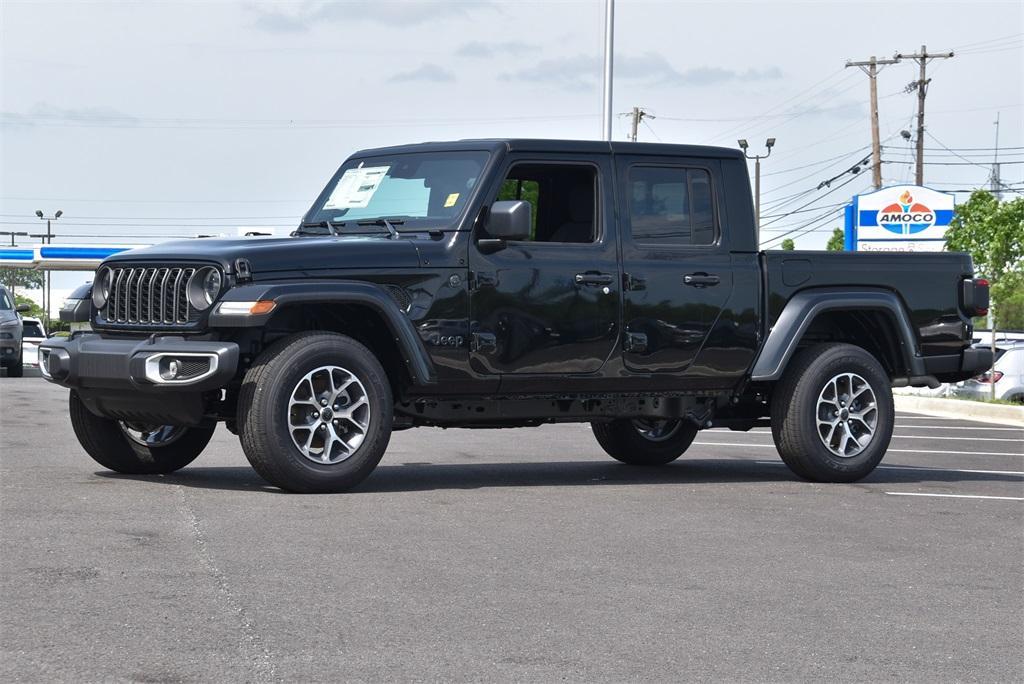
513	555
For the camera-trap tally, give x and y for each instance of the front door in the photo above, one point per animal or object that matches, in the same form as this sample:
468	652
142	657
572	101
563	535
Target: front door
676	267
550	304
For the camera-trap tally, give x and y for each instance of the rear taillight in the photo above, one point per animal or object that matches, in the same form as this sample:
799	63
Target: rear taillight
989	376
975	297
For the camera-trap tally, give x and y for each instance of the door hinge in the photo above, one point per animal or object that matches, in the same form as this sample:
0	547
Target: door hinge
634	342
632	283
481	279
482	342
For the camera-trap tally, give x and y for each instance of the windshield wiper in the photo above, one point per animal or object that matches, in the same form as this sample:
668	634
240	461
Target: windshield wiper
388	223
331	226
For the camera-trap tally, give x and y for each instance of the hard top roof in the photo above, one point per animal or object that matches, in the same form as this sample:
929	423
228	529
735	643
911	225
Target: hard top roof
553	145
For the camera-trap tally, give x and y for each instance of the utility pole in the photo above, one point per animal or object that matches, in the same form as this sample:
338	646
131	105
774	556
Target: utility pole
770	143
609	34
12	233
871	68
995	182
47	239
921	85
638	115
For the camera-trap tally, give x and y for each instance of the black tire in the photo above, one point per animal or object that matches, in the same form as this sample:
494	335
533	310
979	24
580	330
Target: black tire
795	410
17	368
623	441
263	412
107	443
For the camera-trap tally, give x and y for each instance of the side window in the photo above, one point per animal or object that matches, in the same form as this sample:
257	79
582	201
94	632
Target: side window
671	205
563	198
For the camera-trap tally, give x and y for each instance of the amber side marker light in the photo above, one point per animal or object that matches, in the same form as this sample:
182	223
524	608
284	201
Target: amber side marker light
262	306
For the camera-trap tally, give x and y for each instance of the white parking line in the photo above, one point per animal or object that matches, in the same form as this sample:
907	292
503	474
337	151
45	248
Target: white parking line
1014	473
955	427
973	439
958	496
899	436
891	451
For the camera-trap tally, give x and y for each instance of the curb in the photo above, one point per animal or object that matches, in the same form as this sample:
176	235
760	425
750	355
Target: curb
961	409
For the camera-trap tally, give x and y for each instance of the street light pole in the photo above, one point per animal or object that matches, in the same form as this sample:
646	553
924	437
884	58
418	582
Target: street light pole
609	34
47	239
770	143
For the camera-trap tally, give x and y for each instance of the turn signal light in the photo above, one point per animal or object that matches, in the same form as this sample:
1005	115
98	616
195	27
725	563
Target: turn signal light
262	306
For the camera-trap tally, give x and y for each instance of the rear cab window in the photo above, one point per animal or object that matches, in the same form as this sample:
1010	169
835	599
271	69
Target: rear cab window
671	205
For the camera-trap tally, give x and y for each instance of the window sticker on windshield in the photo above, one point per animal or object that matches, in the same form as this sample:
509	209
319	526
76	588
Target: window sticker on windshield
355	188
452	199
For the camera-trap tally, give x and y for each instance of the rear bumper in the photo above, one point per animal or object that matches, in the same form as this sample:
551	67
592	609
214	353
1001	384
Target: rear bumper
955	367
127	379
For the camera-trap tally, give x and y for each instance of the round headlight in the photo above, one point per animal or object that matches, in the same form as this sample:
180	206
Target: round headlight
101	287
204	287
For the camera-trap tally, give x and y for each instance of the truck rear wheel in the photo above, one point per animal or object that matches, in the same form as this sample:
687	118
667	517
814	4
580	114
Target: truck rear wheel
136	448
644	442
832	413
315	413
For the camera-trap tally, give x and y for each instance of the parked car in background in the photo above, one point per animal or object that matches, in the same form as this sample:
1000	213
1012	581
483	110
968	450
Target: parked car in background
10	334
33	332
1007	373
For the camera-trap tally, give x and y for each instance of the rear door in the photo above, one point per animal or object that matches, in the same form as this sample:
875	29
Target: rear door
677	274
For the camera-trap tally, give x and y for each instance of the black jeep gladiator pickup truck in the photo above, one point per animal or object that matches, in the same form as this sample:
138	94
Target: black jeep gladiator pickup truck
505	283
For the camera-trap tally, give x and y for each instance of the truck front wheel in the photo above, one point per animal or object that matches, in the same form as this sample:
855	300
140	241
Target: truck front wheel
644	442
136	448
315	413
832	413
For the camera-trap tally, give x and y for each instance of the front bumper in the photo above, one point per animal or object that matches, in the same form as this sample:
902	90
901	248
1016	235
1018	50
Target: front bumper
9	350
128	379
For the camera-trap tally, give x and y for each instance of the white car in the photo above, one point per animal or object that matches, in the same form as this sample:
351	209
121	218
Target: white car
1007	373
34	333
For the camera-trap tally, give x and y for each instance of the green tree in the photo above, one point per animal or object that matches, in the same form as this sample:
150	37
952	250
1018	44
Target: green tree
837	242
992	232
28	278
788	244
35	311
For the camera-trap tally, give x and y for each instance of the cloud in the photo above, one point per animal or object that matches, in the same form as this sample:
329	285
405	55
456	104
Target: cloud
480	49
305	16
426	72
583	72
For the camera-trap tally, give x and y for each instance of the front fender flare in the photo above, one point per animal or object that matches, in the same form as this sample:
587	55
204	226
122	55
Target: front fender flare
801	311
333	292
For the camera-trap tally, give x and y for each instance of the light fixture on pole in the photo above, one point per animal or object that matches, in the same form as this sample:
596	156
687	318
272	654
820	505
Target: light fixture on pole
47	239
770	143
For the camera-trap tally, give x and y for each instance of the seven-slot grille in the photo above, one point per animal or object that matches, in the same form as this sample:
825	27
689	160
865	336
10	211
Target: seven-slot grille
156	295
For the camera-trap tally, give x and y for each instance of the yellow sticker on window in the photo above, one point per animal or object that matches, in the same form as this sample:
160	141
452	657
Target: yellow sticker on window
452	199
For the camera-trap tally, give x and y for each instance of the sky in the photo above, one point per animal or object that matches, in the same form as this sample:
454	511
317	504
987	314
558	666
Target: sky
144	121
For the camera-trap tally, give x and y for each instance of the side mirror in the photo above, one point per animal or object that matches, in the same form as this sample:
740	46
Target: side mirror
509	220
22	308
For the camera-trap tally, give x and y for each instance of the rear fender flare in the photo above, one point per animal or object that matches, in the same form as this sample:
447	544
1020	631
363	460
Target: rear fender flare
418	362
805	306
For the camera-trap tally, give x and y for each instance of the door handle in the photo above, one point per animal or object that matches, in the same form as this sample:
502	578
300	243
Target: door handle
701	279
594	279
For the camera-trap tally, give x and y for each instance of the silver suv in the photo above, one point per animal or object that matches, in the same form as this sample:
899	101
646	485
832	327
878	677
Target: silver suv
1007	373
11	356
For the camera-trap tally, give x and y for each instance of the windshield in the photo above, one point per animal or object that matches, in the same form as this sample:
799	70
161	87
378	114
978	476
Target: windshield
33	330
420	190
5	301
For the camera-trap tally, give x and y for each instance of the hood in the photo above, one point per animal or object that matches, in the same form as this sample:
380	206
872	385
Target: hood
284	254
7	315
